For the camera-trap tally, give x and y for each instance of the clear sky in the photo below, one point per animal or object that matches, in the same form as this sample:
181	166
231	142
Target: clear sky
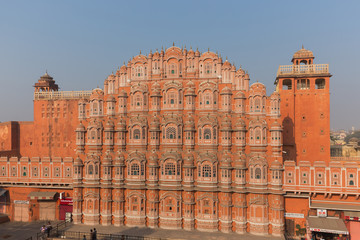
79	43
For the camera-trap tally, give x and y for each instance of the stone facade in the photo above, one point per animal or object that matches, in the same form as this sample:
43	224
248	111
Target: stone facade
180	139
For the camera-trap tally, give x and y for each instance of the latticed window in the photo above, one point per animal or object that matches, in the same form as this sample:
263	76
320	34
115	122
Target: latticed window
257	173
138	100
171	133
208	68
138	71
136	134
143	133
207	98
207	133
135	169
90	169
169	169
257	105
206	171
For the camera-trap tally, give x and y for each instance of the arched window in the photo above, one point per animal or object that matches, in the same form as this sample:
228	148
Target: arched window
172	69
351	183
257	173
170	169
136	134
171	133
257	105
90	169
207	98
206	171
135	169
207	133
208	68
138	71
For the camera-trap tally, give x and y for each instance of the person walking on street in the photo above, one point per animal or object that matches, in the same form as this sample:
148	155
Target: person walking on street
95	234
91	235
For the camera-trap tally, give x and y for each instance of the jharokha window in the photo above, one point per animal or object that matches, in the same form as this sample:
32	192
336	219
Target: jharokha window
136	169
207	135
207	171
170	169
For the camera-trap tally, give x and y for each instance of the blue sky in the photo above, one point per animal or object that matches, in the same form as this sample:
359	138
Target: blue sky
81	42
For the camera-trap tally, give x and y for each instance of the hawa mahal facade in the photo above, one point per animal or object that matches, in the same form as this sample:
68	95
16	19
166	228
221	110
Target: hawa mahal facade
180	139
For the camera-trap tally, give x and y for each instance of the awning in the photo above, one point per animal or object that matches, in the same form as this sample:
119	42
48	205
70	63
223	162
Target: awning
42	195
327	225
335	206
2	191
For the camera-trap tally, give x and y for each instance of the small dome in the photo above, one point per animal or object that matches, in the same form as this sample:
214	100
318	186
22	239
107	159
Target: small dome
46	77
109	124
275	124
189	122
155	123
226	64
190	84
153	159
240	71
110	98
97	93
156	89
226	160
80	127
226	123
240	124
120	158
226	90
303	53
240	94
121	124
191	52
78	161
197	53
123	68
276	165
122	93
111	77
189	159
240	161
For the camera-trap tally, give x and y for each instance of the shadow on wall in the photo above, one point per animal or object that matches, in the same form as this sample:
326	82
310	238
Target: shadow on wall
289	145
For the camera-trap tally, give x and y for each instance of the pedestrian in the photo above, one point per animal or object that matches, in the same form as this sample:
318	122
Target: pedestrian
48	228
84	237
91	234
95	234
43	229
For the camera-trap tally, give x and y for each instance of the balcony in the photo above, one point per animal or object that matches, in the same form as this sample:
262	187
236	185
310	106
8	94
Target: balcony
302	69
62	95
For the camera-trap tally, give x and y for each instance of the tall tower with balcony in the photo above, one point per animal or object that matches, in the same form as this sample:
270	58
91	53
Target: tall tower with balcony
305	108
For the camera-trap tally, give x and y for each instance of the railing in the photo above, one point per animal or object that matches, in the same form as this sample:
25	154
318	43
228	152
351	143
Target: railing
62	95
54	231
356	158
102	236
300	69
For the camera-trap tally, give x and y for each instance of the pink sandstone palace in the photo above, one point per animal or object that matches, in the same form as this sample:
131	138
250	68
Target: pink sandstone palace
180	139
